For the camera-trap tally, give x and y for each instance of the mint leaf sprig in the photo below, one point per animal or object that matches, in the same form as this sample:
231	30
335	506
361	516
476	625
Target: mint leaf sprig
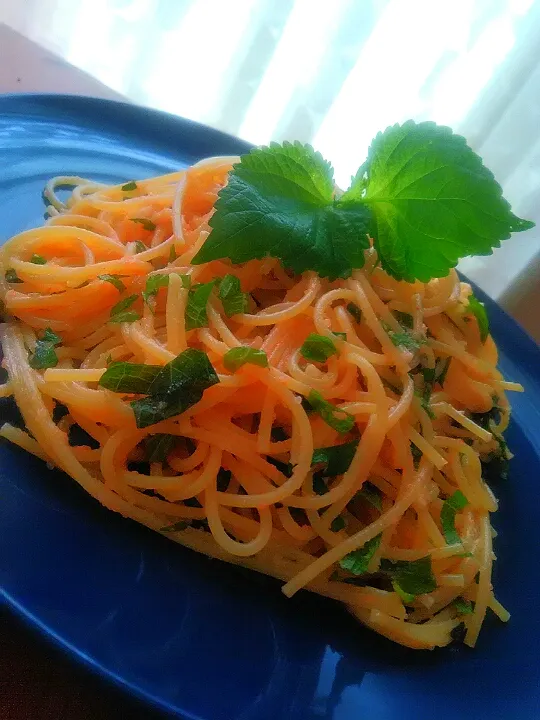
422	195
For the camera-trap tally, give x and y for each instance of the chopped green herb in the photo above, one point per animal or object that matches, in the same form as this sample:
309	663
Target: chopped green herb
404	319
479	311
338	524
114	280
407	598
372	494
238	356
176	527
424	398
129	186
417	455
357	562
158	446
139	247
44	356
340	420
390	387
120	312
172	254
355	311
451	506
318	348
108	359
196	315
171	389
405	340
145	222
153	283
336	458
441	370
232	298
50	336
414	577
12	277
319	485
463	607
38	259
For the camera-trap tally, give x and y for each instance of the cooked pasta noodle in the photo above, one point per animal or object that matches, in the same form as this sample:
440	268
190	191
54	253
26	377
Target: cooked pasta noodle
425	415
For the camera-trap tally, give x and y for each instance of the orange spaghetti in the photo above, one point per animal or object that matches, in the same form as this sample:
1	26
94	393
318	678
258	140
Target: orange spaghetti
246	475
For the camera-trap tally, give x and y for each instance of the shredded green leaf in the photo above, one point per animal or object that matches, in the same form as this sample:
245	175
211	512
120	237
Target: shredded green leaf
145	222
318	348
172	254
404	319
44	355
451	506
355	312
338	524
114	280
199	295
372	494
120	312
139	247
414	577
12	277
463	607
357	562
38	259
336	458
153	283
407	598
238	356
158	446
129	186
478	309
340	420
405	340
232	298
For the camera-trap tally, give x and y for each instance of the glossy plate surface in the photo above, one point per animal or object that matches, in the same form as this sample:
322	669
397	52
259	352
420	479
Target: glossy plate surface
192	635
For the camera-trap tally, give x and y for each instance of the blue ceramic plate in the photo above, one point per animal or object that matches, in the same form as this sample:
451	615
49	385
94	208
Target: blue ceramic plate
192	635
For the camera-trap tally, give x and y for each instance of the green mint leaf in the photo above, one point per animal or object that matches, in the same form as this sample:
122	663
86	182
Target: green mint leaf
463	607
126	377
232	298
196	315
44	356
158	446
479	311
319	484
145	222
318	348
414	578
338	419
120	312
38	259
12	277
129	316
139	247
153	283
114	280
407	598
372	494
279	202
131	185
405	340
175	527
336	458
357	562
432	199
451	506
441	370
51	337
238	356
406	320
355	312
338	524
